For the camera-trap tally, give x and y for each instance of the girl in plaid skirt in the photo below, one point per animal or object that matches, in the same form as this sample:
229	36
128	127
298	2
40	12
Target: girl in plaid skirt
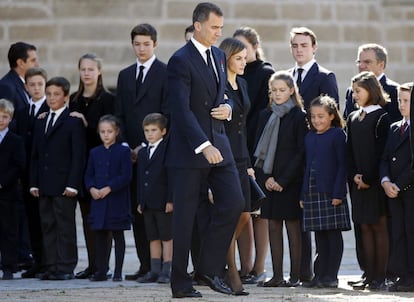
325	208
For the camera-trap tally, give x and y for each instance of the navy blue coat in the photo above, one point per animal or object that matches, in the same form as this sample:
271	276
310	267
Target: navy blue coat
110	167
154	187
317	81
192	95
12	88
58	157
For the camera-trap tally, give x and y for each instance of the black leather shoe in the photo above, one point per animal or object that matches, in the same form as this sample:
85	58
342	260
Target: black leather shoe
136	275
360	286
149	277
198	280
61	276
31	272
98	277
43	276
293	283
187	293
240	293
85	274
351	283
217	284
273	283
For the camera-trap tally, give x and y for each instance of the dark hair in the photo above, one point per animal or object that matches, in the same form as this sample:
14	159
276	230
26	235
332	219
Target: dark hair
110	119
60	82
202	11
330	106
303	31
368	81
380	52
251	35
189	29
34	71
144	29
19	50
231	46
155	119
286	76
99	86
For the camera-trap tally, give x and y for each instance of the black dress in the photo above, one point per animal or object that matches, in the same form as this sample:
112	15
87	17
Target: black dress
365	145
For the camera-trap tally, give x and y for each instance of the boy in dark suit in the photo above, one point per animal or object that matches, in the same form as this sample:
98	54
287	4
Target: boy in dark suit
35	79
154	198
58	160
141	89
12	162
397	179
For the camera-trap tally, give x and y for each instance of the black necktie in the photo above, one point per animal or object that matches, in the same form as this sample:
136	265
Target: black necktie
299	80
32	110
50	124
139	78
403	128
150	147
210	64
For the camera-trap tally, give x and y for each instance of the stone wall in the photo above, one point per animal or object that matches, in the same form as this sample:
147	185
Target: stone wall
65	29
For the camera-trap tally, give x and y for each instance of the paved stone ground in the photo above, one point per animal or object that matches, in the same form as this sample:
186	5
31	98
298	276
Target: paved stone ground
85	291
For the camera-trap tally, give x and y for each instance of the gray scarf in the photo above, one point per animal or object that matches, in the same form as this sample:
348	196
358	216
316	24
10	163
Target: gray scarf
266	147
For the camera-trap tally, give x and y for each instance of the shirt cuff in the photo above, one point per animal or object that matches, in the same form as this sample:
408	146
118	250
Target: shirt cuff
72	190
200	148
384	179
34	189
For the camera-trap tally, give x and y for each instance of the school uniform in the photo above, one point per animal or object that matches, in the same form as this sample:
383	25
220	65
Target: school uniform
12	163
154	191
396	167
58	159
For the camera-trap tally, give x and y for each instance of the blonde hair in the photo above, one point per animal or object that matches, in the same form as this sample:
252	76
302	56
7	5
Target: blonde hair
7	107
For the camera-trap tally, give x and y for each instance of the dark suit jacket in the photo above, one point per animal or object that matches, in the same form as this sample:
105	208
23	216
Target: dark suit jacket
58	157
236	128
395	163
192	95
152	98
317	81
24	127
154	190
390	87
12	88
12	163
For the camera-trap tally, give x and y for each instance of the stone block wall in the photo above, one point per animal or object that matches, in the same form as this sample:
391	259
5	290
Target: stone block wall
63	30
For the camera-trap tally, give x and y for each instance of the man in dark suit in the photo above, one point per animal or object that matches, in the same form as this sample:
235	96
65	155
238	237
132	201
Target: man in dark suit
373	57
21	57
141	90
312	79
199	152
58	160
397	178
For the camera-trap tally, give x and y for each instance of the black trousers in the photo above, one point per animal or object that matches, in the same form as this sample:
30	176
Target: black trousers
8	234
59	233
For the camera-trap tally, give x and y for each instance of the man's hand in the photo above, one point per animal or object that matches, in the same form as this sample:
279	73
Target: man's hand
222	112
68	193
212	154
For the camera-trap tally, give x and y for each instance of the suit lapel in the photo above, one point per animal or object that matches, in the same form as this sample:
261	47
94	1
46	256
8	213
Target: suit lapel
307	81
149	78
62	117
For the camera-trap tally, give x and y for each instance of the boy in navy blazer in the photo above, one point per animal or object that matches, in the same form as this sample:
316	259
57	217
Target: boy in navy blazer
397	179
155	198
58	159
12	162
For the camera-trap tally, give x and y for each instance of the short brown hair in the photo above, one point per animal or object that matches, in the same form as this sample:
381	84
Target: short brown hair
34	71
303	31
155	119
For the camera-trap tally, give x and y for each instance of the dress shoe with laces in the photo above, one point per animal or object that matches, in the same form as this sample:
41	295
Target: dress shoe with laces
187	293
217	284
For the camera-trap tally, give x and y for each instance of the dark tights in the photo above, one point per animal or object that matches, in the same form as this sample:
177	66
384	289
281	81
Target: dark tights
103	251
330	247
276	247
375	244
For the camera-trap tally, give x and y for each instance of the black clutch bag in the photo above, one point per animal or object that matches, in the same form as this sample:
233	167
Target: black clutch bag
257	196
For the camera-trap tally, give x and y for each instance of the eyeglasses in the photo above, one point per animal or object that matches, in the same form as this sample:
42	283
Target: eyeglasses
366	62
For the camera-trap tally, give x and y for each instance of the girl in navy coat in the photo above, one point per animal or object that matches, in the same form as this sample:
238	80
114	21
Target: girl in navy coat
107	178
325	208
